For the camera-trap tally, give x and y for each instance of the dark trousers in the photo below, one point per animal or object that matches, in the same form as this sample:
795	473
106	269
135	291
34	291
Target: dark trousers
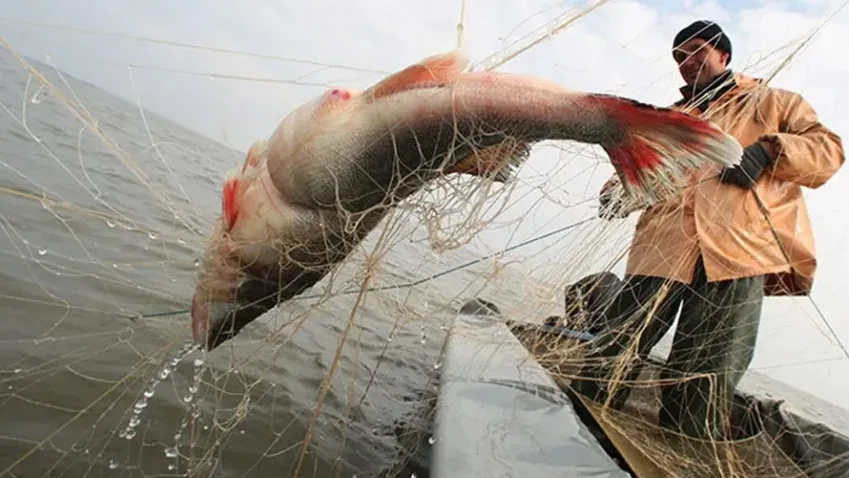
711	350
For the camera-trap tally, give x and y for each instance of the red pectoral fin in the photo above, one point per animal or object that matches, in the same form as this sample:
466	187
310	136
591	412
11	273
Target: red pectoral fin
443	68
237	180
230	201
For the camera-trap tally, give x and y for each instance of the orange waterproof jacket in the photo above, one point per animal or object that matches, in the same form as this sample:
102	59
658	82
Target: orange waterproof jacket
724	222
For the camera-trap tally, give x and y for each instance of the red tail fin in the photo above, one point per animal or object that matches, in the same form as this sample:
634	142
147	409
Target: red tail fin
659	144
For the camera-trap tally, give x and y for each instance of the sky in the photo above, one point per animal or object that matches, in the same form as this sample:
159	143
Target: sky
293	53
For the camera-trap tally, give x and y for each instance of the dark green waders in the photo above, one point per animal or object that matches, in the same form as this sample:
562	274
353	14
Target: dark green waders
711	350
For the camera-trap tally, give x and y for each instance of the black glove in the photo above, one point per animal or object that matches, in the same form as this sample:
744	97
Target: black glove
755	159
610	207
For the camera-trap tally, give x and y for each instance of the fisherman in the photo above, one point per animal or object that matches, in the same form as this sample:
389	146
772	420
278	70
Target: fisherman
732	237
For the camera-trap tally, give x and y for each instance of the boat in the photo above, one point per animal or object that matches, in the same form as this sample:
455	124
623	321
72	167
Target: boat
504	409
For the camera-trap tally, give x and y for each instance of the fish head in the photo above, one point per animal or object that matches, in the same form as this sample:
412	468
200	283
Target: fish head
235	286
244	205
214	298
248	263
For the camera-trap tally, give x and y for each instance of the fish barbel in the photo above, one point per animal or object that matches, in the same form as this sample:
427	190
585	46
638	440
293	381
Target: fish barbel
334	167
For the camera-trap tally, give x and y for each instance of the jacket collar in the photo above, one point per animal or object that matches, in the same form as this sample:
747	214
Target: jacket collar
702	97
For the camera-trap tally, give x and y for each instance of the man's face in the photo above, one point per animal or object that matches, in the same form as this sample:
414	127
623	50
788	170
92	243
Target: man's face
699	62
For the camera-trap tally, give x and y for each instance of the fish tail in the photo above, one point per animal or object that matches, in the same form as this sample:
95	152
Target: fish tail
497	162
659	144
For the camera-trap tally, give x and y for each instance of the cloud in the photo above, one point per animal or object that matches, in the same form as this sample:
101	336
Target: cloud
622	48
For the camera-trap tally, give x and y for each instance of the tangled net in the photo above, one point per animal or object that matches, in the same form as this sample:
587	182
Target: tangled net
106	207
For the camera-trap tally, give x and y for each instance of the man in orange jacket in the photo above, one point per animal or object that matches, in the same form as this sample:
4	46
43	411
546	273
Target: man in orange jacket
730	238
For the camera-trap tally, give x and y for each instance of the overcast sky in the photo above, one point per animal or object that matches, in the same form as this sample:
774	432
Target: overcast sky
622	48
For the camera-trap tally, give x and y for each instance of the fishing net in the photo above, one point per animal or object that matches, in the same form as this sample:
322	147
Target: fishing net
106	207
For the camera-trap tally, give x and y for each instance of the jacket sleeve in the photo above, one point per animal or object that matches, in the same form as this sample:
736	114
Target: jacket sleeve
807	152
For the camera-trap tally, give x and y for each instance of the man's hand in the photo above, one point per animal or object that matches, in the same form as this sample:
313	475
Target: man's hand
755	159
612	204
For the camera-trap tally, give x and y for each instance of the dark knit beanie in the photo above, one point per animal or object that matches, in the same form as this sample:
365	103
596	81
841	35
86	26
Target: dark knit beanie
707	31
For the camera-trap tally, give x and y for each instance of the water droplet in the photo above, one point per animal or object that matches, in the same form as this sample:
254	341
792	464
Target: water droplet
180	240
171	452
110	224
129	432
431	440
437	365
188	398
171	467
193	389
206	427
152	235
17	370
196	263
42	252
112	465
199	362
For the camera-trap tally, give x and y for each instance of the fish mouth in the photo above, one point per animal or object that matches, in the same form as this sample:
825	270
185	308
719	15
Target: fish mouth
212	322
223	321
215	322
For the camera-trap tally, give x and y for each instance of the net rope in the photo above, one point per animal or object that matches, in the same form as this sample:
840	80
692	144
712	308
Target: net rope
107	207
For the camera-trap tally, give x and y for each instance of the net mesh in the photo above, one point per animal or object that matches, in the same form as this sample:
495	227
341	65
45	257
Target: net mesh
106	210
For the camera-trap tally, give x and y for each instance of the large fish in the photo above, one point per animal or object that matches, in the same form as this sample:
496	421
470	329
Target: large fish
334	167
